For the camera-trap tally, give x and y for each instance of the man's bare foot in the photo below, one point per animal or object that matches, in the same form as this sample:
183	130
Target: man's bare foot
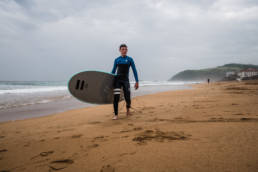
115	117
128	112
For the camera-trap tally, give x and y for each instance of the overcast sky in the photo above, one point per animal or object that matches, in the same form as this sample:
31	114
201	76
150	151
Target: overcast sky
53	39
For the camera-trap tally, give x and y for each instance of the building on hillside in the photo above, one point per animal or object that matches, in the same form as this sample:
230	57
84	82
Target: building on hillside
232	73
248	73
230	76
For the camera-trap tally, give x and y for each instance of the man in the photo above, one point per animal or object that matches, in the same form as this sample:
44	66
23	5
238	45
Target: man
122	64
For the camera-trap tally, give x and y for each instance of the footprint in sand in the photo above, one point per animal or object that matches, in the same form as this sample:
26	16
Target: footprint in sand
232	119
100	138
27	145
238	114
76	136
134	129
43	154
60	164
158	119
124	154
137	128
249	119
94	145
46	153
159	136
107	168
3	150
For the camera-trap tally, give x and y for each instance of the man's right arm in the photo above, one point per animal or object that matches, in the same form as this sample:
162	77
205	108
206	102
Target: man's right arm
114	67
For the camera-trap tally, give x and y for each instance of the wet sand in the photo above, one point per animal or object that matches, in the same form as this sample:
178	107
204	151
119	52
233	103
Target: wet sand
69	103
209	128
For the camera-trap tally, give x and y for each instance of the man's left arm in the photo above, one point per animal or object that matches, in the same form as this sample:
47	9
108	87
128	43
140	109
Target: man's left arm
136	86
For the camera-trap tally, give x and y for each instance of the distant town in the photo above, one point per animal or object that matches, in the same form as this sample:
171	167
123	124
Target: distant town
227	72
246	74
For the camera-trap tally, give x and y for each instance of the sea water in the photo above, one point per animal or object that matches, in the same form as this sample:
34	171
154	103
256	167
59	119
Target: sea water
25	99
23	93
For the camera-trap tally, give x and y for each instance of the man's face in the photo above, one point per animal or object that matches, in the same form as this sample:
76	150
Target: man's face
123	51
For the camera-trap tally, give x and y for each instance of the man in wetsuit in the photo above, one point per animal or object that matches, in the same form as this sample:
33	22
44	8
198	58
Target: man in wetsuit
122	64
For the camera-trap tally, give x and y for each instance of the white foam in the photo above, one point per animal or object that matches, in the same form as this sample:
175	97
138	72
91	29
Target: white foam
29	102
33	90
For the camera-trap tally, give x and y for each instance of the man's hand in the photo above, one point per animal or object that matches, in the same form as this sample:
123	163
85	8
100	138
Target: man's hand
136	86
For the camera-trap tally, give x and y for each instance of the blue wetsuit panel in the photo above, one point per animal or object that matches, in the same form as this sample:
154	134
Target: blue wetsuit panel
123	64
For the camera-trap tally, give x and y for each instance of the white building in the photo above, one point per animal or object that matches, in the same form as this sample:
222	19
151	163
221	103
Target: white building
228	74
250	72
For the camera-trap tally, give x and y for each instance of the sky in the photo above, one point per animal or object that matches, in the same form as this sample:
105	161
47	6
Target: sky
52	40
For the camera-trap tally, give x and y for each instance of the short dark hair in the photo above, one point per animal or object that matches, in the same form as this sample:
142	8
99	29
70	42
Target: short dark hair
122	45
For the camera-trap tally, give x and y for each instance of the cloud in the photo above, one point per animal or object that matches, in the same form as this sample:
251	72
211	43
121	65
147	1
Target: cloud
51	40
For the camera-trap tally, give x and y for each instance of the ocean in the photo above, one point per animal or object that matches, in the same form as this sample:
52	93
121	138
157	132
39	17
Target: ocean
27	99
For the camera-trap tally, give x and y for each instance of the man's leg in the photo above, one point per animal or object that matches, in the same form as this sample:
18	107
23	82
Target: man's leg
117	88
127	95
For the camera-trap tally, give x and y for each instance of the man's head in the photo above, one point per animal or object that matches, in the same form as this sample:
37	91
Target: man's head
123	49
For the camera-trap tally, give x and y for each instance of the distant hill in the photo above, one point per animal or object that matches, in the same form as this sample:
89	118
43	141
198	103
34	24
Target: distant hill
215	74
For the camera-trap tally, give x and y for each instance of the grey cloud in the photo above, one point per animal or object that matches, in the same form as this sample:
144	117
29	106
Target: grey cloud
53	39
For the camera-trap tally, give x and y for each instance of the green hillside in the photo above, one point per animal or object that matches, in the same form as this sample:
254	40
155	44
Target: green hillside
217	73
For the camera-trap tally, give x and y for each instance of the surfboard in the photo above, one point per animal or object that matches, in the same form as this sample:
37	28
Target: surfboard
93	87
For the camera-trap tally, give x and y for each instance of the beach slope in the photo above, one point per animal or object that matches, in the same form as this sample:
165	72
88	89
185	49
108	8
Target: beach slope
208	128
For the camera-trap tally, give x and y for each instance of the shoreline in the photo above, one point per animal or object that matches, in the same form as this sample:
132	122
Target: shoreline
50	108
206	128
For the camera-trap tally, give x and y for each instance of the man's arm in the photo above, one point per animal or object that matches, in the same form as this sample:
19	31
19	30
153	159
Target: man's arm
134	71
114	67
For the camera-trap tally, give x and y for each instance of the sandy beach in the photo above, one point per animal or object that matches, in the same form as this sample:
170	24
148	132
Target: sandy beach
208	128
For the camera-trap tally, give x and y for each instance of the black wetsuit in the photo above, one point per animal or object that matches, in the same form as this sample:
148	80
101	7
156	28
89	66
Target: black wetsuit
122	80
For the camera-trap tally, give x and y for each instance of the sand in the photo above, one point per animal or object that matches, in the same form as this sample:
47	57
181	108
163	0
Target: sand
208	128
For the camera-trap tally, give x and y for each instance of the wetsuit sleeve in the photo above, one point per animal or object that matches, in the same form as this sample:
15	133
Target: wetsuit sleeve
134	71
114	67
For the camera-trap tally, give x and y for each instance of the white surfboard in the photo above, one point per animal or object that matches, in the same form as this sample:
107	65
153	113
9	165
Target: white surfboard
93	87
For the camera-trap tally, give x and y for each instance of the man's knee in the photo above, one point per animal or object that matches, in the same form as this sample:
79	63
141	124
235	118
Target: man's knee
116	94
